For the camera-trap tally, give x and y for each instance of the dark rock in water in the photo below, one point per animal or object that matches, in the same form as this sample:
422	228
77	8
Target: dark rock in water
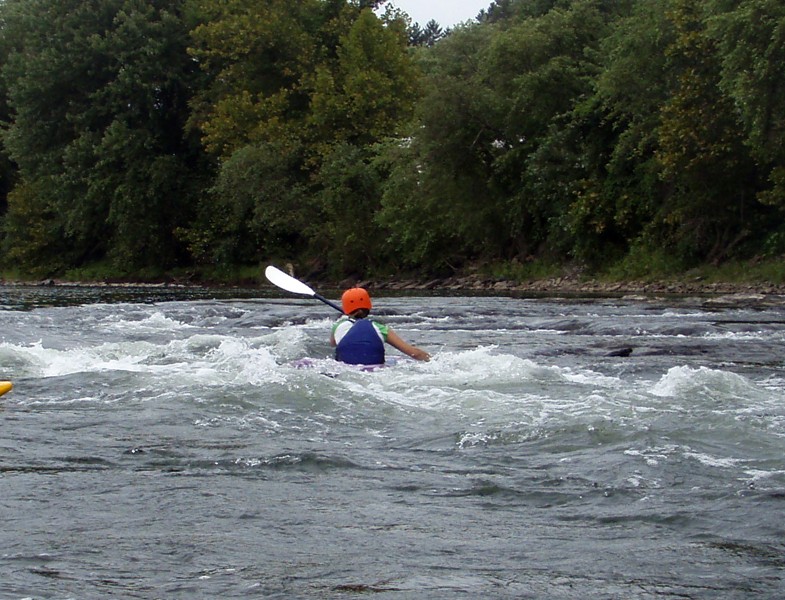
620	352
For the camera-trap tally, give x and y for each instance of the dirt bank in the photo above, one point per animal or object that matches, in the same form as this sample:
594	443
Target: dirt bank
568	286
572	286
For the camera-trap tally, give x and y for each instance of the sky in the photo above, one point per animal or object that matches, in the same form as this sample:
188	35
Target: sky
446	12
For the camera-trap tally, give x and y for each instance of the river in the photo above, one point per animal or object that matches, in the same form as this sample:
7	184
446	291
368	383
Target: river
164	443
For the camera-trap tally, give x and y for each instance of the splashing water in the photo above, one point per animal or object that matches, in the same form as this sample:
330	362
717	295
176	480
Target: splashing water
180	446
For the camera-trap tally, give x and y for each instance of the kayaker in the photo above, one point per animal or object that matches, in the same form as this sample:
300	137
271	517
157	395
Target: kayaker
359	340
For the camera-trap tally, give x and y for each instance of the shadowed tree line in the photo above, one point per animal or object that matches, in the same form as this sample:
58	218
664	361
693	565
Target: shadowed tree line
145	136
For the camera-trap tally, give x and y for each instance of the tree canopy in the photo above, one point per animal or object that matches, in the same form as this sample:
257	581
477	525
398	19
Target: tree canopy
223	133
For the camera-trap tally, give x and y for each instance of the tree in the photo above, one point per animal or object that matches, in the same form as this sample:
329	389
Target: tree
98	95
368	90
256	55
495	93
428	36
434	202
351	239
310	83
702	154
8	171
542	67
613	132
751	38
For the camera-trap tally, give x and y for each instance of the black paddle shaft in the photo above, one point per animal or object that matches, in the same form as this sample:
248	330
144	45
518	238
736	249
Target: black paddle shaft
327	302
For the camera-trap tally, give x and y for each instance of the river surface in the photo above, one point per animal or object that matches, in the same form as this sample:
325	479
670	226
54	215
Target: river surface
165	444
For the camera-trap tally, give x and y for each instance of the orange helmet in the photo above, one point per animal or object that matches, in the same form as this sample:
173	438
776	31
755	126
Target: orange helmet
355	298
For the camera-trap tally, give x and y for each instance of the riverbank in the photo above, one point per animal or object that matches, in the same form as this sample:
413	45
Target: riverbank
572	286
754	277
711	293
474	283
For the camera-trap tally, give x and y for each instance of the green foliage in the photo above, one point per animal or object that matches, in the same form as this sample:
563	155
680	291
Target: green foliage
751	38
701	150
531	270
32	211
496	173
142	136
255	209
417	232
370	88
646	262
438	204
751	272
612	135
256	54
301	94
349	197
98	93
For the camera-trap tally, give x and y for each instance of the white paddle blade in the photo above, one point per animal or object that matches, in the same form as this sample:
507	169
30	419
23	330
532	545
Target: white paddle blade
287	282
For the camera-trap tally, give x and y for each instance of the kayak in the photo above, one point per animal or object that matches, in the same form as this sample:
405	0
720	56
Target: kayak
310	363
5	386
325	364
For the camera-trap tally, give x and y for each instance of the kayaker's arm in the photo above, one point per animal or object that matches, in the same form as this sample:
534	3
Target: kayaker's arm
396	342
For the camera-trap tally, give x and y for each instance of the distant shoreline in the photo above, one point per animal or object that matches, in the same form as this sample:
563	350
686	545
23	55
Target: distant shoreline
475	284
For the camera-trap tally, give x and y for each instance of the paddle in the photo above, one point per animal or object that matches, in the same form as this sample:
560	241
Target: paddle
295	286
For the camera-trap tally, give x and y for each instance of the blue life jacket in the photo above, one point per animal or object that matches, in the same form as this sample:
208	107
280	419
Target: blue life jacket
361	345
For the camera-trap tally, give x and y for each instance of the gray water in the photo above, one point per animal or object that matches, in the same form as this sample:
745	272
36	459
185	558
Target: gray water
164	444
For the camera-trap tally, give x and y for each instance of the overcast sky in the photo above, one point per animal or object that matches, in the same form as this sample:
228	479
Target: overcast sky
446	12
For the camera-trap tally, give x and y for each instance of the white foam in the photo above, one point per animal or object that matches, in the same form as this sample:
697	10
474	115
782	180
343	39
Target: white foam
202	358
713	461
479	385
757	475
684	380
156	322
741	335
486	365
